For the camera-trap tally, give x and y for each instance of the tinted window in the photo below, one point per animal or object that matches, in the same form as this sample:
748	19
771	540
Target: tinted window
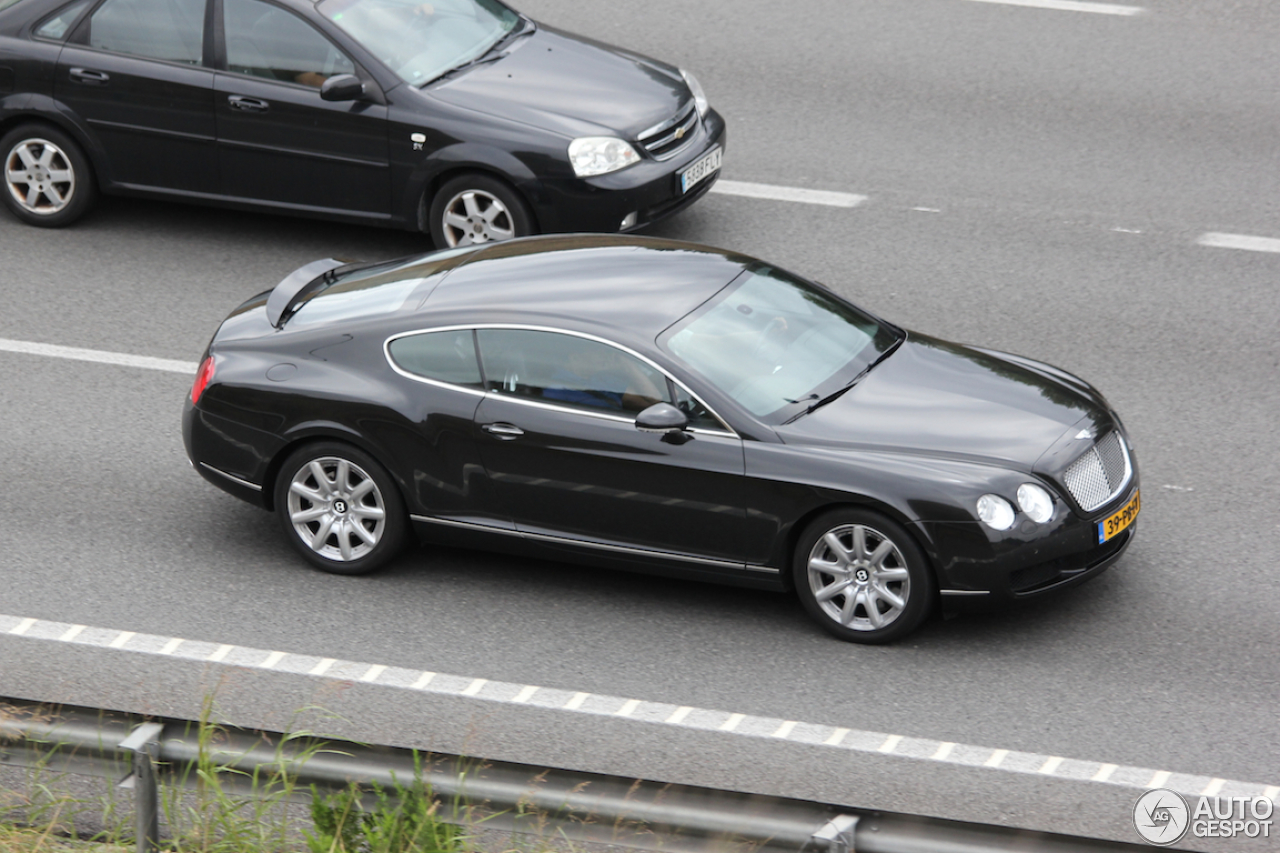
266	41
57	26
443	356
172	30
568	370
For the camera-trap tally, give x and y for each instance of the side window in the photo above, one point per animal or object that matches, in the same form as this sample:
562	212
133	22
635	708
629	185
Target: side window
57	26
568	370
172	30
266	41
443	356
699	416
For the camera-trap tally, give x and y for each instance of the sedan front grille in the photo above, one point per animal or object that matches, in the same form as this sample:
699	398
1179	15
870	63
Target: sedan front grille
664	141
1100	474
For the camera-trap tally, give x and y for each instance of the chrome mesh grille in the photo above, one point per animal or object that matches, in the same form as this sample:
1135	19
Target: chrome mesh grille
1100	474
665	140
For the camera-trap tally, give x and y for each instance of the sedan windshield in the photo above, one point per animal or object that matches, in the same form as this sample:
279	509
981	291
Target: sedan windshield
421	41
777	344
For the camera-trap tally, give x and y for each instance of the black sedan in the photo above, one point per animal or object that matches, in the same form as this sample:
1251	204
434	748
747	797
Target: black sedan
662	407
462	118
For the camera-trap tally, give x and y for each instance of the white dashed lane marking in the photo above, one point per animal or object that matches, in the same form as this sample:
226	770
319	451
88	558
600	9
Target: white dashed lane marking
795	194
98	356
724	723
1219	240
1071	6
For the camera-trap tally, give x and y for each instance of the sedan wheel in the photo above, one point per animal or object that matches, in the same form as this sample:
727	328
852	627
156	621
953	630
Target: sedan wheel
862	577
46	178
340	509
474	209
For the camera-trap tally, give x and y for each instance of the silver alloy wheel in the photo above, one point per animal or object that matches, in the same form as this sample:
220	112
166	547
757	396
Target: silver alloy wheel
336	509
859	577
39	176
475	216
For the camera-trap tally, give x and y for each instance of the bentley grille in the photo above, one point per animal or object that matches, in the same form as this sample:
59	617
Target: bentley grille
1100	474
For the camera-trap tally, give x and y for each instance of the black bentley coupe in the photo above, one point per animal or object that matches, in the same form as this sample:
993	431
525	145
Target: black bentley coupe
461	118
663	407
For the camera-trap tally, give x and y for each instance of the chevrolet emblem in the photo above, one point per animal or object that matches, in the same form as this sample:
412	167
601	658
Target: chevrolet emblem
680	133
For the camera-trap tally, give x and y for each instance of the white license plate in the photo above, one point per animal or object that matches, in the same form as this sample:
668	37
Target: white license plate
708	165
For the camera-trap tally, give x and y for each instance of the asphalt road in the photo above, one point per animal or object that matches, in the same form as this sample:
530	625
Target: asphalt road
1037	181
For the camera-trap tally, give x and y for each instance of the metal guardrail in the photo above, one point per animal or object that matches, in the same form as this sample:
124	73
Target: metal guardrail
580	807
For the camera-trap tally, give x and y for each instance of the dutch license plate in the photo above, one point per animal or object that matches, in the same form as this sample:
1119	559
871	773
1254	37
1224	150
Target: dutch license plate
1111	526
708	165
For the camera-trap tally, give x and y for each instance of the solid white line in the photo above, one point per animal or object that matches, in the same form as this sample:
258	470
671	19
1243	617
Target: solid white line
732	723
475	687
996	758
1051	766
784	730
99	356
374	672
1239	241
1071	6
526	693
626	709
944	749
1212	789
122	638
1158	780
796	194
272	659
1104	772
890	743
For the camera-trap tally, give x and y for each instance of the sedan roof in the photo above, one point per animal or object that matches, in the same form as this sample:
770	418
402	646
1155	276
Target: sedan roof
635	284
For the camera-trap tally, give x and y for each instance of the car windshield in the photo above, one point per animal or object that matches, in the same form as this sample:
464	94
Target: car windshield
420	41
776	344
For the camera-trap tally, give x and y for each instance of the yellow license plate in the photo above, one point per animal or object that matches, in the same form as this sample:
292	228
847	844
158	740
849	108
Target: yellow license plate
1111	526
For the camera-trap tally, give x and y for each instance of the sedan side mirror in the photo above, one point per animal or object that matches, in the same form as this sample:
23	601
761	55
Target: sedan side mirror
665	418
342	87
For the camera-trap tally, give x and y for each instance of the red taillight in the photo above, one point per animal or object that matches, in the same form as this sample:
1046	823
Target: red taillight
203	377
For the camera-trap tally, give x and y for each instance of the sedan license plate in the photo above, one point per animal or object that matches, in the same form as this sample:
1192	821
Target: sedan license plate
708	165
1111	526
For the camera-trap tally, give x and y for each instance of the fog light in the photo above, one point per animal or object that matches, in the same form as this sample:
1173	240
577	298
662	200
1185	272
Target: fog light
629	221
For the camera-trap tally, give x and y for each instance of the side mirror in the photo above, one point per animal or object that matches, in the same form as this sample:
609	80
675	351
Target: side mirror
342	87
665	418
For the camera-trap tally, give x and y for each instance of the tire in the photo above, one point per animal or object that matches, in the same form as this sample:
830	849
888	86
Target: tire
475	208
47	178
862	577
340	509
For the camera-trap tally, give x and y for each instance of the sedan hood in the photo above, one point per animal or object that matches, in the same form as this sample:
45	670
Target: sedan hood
937	398
569	85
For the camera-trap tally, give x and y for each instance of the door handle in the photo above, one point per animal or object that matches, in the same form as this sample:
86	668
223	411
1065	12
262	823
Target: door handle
249	105
93	78
502	431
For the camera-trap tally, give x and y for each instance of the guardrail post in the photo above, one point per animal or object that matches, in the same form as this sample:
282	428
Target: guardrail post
837	835
144	743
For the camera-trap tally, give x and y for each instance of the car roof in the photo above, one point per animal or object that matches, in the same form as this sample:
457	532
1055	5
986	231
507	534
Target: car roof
637	286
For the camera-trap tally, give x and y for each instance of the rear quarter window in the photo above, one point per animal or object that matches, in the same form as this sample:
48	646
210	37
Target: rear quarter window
446	356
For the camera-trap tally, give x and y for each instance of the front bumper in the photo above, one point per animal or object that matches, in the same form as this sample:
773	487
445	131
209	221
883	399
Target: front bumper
985	570
649	189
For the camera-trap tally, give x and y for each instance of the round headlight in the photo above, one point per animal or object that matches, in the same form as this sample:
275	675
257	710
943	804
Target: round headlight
995	512
1035	502
600	155
699	96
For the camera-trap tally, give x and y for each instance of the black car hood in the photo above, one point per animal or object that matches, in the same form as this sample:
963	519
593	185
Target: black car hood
937	398
569	85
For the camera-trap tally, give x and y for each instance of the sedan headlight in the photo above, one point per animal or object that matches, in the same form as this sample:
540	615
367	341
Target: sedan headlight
600	155
699	96
995	512
1035	502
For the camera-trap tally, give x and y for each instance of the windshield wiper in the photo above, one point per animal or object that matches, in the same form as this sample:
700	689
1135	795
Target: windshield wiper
835	395
494	53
